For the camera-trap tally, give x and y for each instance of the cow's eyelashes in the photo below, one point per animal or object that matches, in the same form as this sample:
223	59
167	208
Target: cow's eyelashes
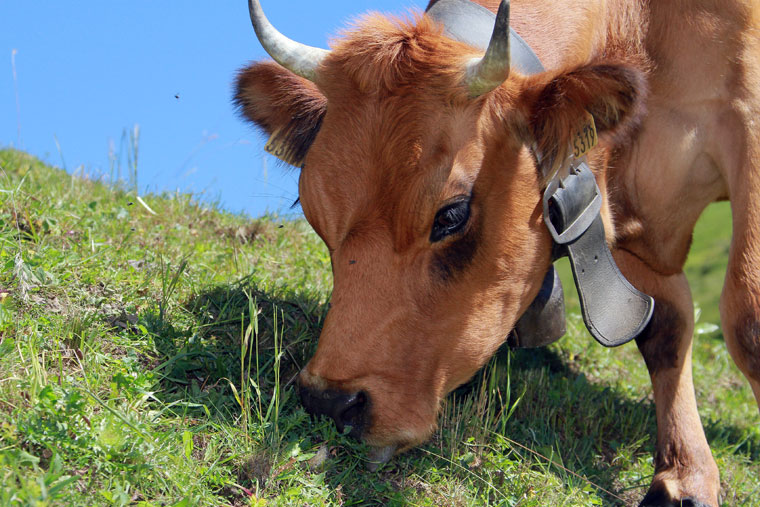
450	219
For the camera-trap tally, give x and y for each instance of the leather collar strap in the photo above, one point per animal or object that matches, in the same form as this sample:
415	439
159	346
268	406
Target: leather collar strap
472	24
613	310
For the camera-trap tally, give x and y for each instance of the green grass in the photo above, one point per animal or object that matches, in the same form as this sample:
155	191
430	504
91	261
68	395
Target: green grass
148	360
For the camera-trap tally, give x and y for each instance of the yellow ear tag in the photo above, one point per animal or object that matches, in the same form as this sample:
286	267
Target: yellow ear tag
277	147
584	138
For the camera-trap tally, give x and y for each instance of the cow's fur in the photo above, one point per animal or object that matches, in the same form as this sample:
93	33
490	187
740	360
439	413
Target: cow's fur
389	136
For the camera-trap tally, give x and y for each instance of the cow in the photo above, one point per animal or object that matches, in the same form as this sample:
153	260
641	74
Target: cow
423	168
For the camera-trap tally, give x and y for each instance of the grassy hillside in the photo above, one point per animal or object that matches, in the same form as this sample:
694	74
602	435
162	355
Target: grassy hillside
147	358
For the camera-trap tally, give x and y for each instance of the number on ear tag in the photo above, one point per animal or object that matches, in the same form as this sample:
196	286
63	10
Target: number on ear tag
584	138
277	147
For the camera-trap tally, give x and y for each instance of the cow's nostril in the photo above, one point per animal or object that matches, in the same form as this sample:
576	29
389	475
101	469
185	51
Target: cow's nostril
352	412
346	409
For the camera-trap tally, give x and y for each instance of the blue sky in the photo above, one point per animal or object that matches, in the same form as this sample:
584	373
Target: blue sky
88	71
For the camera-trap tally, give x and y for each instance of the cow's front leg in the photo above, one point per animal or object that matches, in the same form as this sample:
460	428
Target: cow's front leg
740	301
685	471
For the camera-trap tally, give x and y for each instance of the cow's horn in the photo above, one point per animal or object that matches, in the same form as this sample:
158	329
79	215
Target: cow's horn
294	56
487	73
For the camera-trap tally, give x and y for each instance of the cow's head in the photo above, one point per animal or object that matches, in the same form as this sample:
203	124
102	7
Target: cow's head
420	174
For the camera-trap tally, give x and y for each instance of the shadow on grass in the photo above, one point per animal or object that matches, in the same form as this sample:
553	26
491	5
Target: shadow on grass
580	424
203	355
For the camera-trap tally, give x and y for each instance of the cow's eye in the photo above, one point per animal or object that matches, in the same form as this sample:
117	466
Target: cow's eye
450	219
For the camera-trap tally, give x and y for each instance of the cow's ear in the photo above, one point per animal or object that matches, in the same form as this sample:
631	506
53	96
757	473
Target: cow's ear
287	107
556	104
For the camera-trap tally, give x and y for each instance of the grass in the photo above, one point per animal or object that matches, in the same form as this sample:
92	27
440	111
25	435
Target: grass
148	360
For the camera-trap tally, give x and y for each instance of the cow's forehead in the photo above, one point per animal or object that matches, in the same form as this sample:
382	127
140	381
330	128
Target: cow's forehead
393	159
384	53
400	135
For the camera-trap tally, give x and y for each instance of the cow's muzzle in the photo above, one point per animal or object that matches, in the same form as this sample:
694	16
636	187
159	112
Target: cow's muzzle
348	410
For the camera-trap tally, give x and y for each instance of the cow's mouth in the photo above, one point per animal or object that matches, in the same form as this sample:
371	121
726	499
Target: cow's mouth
378	456
350	412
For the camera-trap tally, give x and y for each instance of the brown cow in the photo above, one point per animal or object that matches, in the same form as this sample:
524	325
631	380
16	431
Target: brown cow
422	175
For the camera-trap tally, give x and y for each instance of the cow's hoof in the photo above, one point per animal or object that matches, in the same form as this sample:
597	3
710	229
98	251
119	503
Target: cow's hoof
660	498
